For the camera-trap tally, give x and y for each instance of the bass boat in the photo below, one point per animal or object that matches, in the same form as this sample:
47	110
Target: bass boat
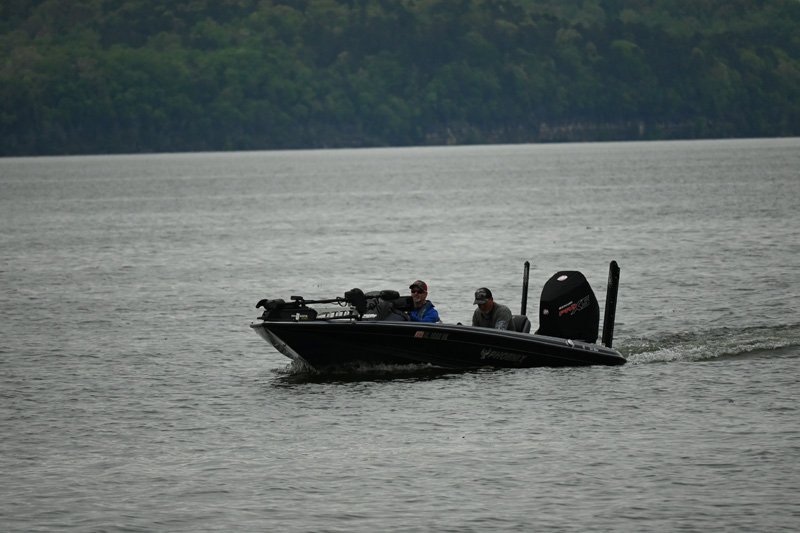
365	329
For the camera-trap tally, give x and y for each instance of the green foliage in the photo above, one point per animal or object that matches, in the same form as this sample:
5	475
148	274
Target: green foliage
87	76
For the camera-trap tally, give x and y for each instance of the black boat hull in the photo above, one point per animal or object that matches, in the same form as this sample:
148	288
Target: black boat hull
322	345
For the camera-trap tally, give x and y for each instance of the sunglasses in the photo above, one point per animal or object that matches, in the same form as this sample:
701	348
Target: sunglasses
417	291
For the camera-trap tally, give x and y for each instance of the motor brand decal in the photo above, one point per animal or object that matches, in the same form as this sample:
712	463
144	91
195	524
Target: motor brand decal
573	307
434	335
489	353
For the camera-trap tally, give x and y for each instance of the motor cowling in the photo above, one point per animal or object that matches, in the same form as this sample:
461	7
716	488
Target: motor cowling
568	308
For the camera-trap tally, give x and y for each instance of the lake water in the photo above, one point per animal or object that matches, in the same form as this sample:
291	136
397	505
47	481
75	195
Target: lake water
135	397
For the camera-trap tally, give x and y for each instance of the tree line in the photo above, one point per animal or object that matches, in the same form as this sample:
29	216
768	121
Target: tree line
110	76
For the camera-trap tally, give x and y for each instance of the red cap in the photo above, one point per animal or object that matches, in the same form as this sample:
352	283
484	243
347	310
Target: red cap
419	284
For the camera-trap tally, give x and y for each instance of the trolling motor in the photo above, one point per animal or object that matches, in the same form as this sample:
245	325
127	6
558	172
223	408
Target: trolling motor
297	309
376	305
281	310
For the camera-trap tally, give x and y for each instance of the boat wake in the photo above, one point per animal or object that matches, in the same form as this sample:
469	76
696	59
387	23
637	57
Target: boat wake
720	343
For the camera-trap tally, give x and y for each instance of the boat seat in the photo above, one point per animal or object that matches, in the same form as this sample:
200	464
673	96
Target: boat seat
520	323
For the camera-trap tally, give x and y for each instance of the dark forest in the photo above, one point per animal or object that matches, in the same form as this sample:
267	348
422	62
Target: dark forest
113	76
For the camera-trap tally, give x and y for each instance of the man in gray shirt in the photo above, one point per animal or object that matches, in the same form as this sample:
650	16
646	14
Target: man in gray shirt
490	314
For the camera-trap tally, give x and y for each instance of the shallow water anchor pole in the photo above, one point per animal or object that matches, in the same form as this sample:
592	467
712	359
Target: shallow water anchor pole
524	306
611	304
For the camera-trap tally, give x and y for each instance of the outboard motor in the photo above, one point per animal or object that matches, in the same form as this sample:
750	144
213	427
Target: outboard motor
568	308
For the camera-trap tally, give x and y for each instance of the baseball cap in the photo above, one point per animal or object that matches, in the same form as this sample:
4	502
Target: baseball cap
482	295
419	284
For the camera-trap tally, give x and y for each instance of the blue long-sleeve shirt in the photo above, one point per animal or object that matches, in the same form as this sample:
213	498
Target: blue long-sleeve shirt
426	313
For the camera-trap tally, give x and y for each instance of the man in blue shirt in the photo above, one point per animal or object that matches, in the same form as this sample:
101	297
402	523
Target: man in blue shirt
423	309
